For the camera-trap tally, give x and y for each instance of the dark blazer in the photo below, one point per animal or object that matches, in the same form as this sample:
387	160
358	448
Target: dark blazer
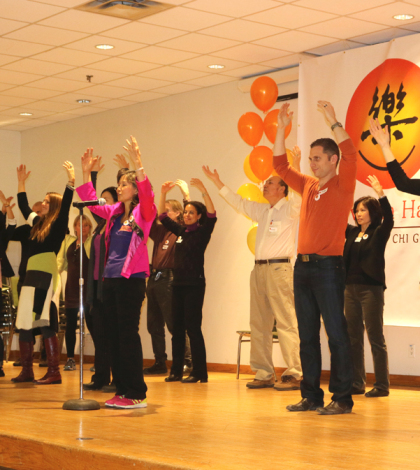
372	250
5	236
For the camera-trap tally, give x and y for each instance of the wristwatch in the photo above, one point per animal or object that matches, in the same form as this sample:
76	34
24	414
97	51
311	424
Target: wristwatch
337	124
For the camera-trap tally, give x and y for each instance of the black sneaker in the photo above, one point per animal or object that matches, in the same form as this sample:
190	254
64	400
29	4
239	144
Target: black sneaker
1	371
156	368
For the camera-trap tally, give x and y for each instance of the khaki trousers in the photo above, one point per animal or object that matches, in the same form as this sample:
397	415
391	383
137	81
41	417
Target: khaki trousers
272	298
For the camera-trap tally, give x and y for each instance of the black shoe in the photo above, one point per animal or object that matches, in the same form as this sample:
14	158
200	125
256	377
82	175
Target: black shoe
335	408
192	380
156	368
187	369
17	363
2	372
92	386
109	388
357	391
43	364
173	378
304	405
376	392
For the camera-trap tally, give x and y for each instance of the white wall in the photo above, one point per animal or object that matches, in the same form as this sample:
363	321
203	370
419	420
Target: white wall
177	135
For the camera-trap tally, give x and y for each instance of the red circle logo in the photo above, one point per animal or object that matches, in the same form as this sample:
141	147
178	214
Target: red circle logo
390	93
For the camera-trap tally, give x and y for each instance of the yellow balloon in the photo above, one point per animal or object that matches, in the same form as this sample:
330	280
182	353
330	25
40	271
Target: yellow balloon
252	237
249	174
251	192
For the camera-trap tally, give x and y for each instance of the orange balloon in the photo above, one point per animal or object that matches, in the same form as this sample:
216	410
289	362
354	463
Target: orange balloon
249	174
264	93
261	162
251	128
270	125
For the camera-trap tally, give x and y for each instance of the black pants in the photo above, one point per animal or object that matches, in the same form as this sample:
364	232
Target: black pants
102	374
187	305
72	315
1	350
122	299
28	337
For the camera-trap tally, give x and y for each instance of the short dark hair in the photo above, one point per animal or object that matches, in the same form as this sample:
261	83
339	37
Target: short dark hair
329	146
200	208
373	207
112	190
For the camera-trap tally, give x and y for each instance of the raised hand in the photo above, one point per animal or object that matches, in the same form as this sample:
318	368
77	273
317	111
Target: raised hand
183	186
198	184
379	133
7	203
98	165
70	171
284	117
376	185
3	198
22	174
167	186
133	152
296	155
88	161
121	161
327	110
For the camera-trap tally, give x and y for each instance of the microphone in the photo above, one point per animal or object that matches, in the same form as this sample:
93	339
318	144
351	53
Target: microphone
97	202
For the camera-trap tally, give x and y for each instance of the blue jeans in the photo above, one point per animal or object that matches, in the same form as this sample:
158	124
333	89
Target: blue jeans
319	290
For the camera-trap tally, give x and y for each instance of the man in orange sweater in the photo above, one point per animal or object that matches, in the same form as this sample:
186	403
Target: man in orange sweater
319	274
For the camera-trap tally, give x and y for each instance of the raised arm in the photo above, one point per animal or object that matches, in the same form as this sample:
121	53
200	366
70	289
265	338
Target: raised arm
284	118
381	135
388	216
183	186
166	187
7	206
326	108
23	204
135	156
207	200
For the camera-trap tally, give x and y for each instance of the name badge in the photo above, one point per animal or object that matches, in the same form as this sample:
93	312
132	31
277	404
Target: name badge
365	236
165	247
357	240
272	229
179	240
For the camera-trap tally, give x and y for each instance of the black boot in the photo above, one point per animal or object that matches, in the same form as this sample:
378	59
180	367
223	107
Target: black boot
156	368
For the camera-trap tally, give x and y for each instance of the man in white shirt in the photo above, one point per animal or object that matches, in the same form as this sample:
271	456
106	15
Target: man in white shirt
271	279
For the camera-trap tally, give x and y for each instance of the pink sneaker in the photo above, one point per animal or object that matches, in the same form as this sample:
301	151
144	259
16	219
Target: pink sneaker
128	403
111	402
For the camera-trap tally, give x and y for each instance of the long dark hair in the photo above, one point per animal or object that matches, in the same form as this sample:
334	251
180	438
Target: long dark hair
200	208
373	207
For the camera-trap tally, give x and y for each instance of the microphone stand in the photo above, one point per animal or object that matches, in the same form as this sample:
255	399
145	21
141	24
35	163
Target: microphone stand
80	403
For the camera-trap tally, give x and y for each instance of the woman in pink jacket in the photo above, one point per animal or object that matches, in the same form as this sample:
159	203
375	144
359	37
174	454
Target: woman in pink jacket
126	269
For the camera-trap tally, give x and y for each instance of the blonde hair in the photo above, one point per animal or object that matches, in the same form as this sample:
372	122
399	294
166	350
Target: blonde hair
84	219
41	229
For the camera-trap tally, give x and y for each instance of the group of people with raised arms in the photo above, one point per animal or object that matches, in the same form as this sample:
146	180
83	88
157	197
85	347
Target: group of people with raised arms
339	272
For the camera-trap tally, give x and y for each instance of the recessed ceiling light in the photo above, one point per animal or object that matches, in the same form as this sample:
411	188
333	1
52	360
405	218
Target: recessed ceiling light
403	17
104	47
83	101
216	66
25	114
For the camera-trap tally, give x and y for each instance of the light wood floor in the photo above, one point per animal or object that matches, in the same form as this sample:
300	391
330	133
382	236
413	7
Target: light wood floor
218	425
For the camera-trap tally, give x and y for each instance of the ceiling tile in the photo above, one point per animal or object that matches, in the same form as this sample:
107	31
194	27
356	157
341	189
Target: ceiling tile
45	35
242	30
248	71
71	98
53	106
5	86
109	92
64	3
199	43
288	61
83	21
139	83
202	63
30	92
159	55
343	28
251	53
37	66
382	36
341	7
112	104
17	78
98	76
68	56
334	47
296	41
147	96
124	66
6	26
143	33
59	84
37	123
290	16
120	47
87	110
7	59
185	19
25	109
25	10
178	88
211	80
384	14
14	100
234	8
20	48
175	74
57	117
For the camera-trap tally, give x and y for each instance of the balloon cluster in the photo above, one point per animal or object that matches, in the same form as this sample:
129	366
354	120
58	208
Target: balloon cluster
258	165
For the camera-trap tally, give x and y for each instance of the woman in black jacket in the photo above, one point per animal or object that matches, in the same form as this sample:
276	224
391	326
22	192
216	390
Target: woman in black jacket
365	284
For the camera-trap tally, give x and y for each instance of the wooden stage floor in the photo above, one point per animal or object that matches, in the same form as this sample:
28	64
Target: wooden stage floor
218	425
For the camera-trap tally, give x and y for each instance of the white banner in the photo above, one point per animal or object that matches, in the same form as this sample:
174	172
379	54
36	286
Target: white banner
380	81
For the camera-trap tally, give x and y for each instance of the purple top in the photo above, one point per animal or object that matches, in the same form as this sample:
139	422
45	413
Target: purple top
120	241
97	248
192	227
